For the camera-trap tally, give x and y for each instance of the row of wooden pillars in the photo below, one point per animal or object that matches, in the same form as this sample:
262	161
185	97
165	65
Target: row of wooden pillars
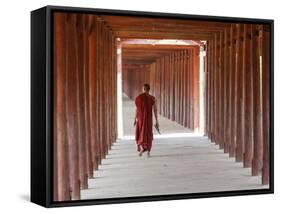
85	95
174	81
237	95
85	100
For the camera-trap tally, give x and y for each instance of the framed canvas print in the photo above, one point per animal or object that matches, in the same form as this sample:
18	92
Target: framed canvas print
133	106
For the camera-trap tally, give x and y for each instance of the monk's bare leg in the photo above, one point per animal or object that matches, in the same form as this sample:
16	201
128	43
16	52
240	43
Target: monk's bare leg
141	151
148	154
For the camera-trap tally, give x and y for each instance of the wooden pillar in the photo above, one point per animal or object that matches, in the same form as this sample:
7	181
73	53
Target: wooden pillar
100	138
106	95
81	102
184	89
227	89
112	89
164	86
93	90
232	58
71	106
187	88
219	91
196	84
103	91
114	55
180	87
222	90
174	87
170	86
239	93
257	137
191	82
89	154
61	163
98	83
212	96
207	90
266	103
248	125
216	88
162	79
182	107
169	82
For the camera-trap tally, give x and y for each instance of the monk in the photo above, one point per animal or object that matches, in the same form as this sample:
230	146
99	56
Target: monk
145	104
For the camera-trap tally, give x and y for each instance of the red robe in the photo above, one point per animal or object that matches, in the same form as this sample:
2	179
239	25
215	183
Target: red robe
143	131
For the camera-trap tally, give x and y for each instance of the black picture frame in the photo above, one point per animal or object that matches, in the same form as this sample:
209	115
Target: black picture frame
42	107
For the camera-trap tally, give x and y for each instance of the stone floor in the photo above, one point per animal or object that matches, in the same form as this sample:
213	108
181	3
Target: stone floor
178	164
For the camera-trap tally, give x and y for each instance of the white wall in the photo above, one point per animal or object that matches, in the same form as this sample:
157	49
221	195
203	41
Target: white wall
15	105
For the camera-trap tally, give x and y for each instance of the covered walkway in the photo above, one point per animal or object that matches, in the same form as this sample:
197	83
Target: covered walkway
177	165
211	80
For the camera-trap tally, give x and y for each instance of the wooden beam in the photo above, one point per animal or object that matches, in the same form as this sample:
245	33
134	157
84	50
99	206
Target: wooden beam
160	22
159	35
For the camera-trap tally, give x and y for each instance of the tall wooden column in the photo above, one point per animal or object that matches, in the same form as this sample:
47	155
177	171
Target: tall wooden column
227	90
239	94
210	91
61	163
221	91
81	102
266	103
216	88
184	122
191	89
93	91
248	125
232	58
257	158
188	66
207	90
71	107
88	134
196	83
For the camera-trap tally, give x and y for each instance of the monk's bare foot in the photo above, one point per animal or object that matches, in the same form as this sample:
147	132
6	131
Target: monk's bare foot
140	153
148	154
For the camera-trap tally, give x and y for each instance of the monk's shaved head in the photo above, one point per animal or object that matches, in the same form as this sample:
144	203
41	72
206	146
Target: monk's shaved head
146	87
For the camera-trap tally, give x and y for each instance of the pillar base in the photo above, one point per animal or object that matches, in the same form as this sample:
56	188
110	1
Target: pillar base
231	151
247	161
256	167
265	175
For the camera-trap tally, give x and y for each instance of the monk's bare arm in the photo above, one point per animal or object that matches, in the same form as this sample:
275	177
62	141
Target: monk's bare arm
155	112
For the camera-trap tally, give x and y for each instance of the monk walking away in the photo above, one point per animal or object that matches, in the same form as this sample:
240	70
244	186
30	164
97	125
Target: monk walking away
145	105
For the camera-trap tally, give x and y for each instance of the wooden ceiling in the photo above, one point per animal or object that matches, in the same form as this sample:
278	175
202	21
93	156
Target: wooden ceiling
133	27
162	28
147	54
